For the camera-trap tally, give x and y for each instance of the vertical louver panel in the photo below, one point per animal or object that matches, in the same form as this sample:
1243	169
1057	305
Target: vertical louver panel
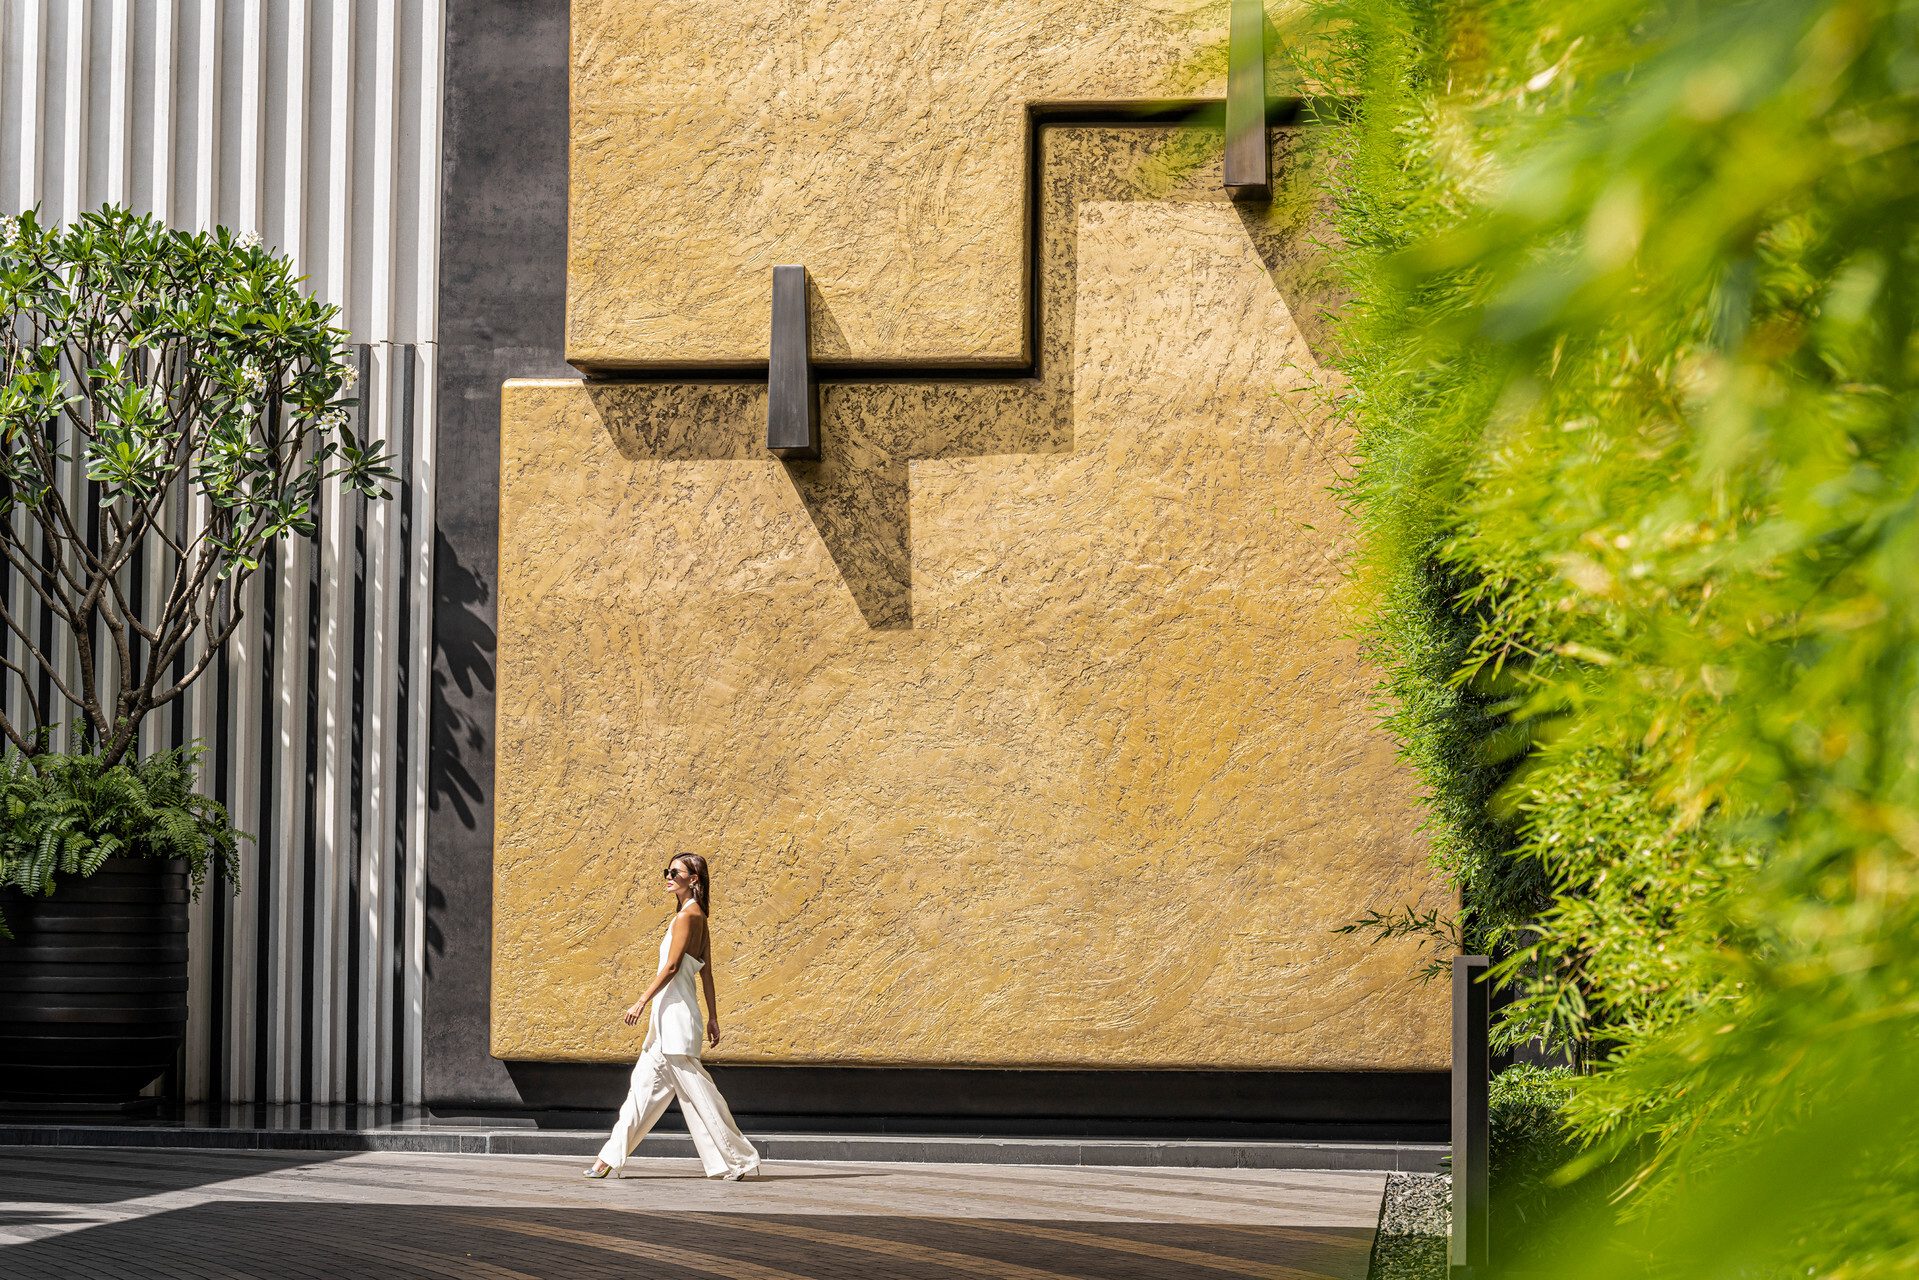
316	124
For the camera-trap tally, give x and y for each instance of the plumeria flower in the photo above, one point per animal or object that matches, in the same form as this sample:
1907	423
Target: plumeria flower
247	240
9	231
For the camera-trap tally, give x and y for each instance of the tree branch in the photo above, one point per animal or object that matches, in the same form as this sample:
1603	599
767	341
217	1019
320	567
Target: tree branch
46	666
13	734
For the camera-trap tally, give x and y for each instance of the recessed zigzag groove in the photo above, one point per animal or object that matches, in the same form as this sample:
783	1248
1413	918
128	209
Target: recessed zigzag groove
874	422
1202	115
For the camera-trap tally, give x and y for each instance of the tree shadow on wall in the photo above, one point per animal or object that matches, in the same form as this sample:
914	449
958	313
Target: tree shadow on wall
464	642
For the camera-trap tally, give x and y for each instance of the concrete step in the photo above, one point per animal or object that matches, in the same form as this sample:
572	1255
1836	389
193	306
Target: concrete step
1414	1157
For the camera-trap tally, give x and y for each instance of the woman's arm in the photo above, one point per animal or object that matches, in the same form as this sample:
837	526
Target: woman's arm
675	953
712	1001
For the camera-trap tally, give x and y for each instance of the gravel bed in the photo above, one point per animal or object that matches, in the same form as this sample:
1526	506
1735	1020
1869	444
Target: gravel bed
1417	1204
1414	1219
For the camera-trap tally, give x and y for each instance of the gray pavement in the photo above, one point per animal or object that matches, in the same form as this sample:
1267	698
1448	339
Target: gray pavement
94	1212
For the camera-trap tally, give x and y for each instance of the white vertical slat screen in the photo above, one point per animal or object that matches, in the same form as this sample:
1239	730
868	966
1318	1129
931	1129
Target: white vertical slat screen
316	124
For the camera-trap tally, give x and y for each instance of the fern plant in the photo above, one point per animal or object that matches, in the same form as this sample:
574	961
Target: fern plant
66	814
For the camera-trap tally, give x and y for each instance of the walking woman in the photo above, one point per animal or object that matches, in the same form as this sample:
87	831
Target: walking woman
669	1065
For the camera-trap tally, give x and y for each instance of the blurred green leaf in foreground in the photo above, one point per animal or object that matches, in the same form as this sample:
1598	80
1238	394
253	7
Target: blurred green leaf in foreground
1630	365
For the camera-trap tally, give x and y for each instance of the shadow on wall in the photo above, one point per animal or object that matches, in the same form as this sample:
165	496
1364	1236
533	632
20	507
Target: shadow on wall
465	644
464	665
1303	268
857	492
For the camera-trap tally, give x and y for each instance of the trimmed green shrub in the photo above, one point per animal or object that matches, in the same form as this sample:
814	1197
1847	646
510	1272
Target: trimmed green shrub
1534	1201
1526	1114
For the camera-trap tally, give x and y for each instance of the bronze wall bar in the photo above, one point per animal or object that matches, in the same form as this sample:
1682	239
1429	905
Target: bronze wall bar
792	399
1248	157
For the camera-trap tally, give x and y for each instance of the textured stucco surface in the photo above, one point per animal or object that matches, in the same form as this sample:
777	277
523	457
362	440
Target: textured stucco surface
1022	729
883	146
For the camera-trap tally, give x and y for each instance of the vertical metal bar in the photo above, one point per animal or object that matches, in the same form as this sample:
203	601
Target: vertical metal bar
120	104
269	993
1248	160
792	401
73	165
251	115
334	242
425	38
342	608
160	196
381	239
206	120
33	87
371	724
1471	1139
415	713
295	91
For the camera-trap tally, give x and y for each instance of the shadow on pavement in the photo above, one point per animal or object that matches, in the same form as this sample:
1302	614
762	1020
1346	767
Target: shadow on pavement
107	1175
293	1239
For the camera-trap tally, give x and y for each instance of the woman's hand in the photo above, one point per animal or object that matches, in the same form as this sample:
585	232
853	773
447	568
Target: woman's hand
633	1011
713	1032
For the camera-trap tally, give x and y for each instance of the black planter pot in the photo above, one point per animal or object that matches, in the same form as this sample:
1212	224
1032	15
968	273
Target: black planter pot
93	987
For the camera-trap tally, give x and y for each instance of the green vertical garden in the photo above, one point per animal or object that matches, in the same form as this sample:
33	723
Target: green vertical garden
1629	361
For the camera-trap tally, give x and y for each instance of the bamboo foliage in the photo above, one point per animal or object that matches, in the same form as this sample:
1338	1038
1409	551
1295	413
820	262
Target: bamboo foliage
1633	363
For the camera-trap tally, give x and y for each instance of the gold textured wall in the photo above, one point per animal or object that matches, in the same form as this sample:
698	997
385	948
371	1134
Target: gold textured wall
1022	728
882	143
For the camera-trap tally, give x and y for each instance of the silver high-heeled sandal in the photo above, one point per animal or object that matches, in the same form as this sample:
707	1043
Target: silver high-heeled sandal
599	1170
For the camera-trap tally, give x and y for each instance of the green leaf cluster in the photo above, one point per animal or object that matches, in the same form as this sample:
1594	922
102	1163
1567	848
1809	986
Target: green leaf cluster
65	815
1630	365
168	396
142	331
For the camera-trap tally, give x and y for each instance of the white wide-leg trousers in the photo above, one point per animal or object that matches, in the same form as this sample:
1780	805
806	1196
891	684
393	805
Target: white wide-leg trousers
658	1079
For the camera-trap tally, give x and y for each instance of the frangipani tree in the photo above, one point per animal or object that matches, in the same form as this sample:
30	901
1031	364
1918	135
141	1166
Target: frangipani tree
205	401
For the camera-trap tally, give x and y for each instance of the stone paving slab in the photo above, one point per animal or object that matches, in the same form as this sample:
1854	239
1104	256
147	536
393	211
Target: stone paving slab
128	1212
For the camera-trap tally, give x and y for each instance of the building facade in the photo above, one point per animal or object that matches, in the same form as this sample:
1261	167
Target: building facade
1022	725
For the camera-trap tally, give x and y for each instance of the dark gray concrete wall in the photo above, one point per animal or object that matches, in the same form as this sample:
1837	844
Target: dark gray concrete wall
502	314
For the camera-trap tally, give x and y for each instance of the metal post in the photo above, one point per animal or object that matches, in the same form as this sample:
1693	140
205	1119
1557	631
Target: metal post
792	401
1248	159
1471	1139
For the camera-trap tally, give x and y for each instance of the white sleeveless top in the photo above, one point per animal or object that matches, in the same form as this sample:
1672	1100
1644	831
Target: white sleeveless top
676	1026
